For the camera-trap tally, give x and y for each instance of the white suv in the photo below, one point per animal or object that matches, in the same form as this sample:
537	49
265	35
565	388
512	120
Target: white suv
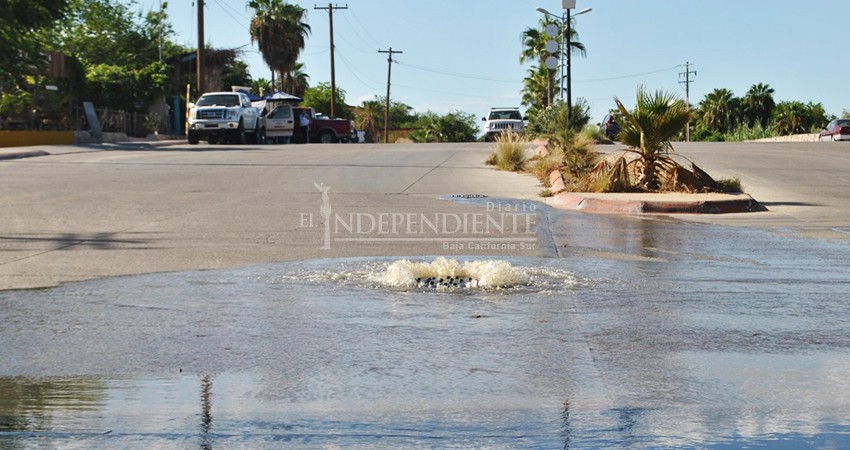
502	120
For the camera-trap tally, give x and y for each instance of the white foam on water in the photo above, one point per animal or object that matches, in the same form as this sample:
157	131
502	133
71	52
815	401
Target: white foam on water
467	274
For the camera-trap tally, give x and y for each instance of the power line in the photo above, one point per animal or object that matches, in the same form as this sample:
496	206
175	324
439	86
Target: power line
458	75
623	77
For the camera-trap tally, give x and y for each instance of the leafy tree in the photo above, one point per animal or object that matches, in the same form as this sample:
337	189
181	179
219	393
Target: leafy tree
456	126
759	104
125	88
319	97
20	38
236	74
369	116
280	31
648	129
552	121
107	32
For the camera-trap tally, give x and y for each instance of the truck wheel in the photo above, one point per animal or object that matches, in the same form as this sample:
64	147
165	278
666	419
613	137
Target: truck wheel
254	138
327	137
241	136
192	138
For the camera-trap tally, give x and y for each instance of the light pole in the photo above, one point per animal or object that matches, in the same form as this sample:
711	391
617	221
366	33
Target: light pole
566	19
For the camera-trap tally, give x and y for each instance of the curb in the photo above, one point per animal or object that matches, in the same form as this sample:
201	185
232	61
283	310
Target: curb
647	203
24	154
578	202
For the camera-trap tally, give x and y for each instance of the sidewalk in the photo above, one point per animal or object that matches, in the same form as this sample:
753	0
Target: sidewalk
7	153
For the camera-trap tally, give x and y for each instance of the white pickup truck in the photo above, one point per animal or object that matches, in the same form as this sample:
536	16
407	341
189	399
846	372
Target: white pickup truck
224	117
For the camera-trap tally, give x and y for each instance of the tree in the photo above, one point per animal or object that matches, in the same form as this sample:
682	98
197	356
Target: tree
534	89
719	110
795	117
319	97
236	74
296	81
534	50
280	32
759	104
369	116
21	39
648	130
456	126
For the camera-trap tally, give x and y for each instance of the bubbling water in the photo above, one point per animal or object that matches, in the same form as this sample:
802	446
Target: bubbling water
443	273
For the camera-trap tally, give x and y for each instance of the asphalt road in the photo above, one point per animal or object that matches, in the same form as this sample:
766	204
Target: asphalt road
805	185
90	212
84	213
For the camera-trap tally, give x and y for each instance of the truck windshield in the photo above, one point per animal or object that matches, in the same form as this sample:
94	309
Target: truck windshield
219	100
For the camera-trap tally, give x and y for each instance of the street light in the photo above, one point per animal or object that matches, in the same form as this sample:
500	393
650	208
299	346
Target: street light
566	19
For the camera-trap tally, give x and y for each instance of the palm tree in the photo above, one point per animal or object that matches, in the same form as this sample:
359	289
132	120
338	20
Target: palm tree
534	50
759	104
278	29
718	110
295	81
535	87
656	119
369	117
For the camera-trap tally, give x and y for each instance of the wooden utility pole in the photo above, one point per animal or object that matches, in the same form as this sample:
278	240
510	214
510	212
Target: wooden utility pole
685	78
330	8
389	81
200	58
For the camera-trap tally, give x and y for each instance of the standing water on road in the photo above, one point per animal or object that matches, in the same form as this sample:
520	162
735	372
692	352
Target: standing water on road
637	334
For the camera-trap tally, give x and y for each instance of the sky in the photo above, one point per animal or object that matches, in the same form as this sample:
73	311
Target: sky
463	55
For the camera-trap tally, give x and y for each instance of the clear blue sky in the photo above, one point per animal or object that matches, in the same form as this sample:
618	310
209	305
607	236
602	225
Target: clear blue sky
464	54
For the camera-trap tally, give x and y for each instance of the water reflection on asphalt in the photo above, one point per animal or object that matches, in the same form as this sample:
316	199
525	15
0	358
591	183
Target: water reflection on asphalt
640	334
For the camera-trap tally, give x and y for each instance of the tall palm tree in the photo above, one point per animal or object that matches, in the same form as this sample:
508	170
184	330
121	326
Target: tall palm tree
534	50
280	32
759	104
718	110
656	119
535	87
295	81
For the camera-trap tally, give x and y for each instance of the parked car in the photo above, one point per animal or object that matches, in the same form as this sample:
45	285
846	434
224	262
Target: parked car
610	127
224	117
837	130
278	124
323	129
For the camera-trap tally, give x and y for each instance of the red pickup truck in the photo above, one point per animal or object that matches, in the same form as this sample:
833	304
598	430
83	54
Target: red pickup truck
323	129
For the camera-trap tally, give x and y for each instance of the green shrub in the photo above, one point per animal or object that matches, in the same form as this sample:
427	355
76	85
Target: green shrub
509	153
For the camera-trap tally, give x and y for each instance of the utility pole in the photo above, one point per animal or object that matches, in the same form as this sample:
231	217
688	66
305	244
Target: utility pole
330	8
685	78
389	79
200	58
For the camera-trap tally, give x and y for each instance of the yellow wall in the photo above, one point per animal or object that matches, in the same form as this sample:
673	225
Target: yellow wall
27	138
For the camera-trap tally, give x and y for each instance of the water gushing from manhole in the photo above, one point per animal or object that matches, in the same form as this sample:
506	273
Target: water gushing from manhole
444	273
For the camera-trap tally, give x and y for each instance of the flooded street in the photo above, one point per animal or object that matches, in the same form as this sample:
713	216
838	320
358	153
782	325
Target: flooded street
631	333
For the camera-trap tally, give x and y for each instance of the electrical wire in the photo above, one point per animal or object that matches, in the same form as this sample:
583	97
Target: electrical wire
623	77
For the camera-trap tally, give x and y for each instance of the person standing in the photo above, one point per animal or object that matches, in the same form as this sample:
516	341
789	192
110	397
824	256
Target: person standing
304	122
